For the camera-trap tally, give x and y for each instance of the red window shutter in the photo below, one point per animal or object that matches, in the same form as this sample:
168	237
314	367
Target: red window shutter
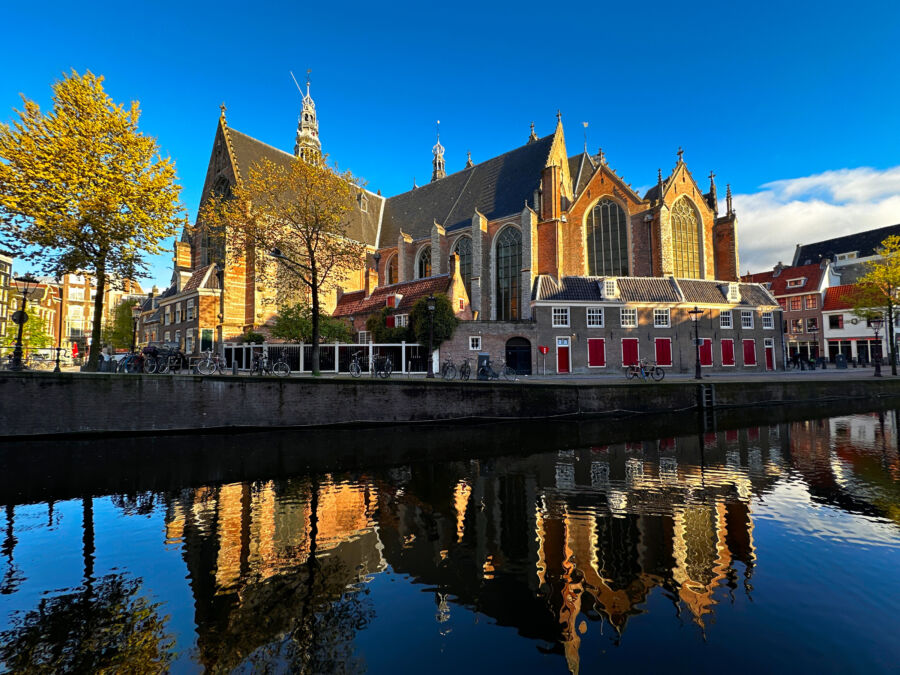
390	301
749	352
390	321
629	351
727	352
706	352
663	352
596	352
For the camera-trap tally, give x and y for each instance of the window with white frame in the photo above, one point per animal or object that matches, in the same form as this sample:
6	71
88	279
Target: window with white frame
746	318
178	337
609	288
595	317
768	321
177	312
190	310
76	294
725	319
189	341
734	292
401	320
796	283
475	343
661	318
560	317
168	316
628	316
167	336
812	302
364	337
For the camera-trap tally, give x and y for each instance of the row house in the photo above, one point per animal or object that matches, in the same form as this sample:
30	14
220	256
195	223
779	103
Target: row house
848	254
602	324
6	306
848	334
800	291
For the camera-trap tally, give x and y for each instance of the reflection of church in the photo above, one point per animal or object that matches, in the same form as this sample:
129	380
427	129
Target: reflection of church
551	545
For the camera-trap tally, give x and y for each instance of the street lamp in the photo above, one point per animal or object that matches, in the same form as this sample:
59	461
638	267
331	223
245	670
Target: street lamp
431	305
60	327
135	315
696	313
25	284
876	325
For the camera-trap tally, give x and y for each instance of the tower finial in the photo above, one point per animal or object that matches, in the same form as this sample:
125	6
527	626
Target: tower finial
438	171
469	162
713	197
223	109
307	147
659	185
680	155
532	137
602	155
729	208
308	71
585	136
558	116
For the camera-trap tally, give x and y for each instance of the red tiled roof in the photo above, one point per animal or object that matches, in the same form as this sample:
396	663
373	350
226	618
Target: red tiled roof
811	273
355	302
840	297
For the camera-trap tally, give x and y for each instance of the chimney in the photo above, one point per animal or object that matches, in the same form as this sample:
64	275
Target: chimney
777	270
339	290
454	265
368	275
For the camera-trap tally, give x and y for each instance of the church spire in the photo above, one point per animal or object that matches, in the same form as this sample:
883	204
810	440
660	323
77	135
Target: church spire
713	198
307	146
469	162
532	137
438	161
729	208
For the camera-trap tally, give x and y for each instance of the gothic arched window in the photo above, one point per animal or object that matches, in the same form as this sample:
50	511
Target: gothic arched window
509	268
423	267
607	240
391	273
463	248
685	247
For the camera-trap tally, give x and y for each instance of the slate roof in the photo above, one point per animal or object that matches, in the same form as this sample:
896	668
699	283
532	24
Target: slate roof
864	243
498	187
201	278
581	168
649	289
356	303
362	227
840	297
812	274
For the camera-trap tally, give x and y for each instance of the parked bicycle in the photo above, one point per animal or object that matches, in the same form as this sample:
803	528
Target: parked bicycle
645	369
356	364
263	365
162	360
448	370
211	363
382	367
465	370
506	372
131	363
281	367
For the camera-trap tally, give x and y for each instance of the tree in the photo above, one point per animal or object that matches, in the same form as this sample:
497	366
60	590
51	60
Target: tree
119	332
301	209
294	324
879	291
35	334
445	320
81	189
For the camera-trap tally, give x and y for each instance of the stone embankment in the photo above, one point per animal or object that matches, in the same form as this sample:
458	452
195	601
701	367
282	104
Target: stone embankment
45	404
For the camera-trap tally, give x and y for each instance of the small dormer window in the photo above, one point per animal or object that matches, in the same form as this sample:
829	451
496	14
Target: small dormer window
734	292
609	288
363	202
846	256
392	301
796	283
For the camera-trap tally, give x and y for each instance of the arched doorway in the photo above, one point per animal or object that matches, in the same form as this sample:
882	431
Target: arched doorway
518	355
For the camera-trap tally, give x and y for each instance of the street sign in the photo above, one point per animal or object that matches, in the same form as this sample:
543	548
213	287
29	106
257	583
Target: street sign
19	317
543	349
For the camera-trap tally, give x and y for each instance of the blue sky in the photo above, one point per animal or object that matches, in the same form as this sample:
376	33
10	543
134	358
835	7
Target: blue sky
789	102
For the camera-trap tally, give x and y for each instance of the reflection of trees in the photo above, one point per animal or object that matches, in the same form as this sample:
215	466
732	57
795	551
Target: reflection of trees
111	629
139	504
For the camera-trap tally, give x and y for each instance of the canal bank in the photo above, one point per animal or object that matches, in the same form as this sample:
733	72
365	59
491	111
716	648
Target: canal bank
47	404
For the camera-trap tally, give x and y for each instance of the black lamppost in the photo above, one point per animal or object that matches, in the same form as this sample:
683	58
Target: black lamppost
60	328
25	284
135	315
876	325
430	304
696	313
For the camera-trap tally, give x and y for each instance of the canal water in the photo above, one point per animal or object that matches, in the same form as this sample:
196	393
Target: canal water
541	548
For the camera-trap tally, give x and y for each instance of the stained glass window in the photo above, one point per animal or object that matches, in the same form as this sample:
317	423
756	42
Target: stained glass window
685	249
607	240
391	275
509	267
463	248
424	266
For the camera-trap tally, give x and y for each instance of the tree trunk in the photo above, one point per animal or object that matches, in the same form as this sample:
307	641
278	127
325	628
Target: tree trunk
893	343
315	331
97	327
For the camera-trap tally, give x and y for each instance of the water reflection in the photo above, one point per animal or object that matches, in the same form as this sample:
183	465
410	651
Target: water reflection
560	545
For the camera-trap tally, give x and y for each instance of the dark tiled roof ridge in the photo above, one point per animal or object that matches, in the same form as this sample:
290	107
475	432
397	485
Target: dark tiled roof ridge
229	129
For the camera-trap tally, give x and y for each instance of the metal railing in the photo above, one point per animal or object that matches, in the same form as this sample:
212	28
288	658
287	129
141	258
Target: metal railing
407	357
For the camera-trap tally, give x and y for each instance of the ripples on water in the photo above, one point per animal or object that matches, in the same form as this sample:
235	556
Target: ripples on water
766	547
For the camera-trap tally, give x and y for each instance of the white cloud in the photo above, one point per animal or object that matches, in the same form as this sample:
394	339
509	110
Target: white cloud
805	210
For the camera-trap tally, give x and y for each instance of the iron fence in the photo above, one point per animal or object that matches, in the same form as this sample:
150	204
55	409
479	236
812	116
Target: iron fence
333	358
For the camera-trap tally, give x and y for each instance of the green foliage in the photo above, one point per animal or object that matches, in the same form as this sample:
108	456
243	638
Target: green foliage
878	291
117	333
35	334
253	338
376	324
445	320
294	324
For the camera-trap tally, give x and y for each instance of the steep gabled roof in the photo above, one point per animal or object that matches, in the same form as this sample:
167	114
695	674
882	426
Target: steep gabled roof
581	168
840	297
201	278
863	243
248	151
498	187
357	304
811	274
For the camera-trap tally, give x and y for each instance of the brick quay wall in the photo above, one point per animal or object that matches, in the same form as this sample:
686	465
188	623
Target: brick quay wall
34	404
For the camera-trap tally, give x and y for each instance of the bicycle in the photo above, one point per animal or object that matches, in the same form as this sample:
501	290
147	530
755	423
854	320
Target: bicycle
212	363
465	370
506	372
644	369
261	364
448	370
281	367
382	367
356	364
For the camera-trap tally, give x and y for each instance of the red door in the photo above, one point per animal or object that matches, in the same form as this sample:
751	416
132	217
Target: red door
770	356
629	351
706	351
562	355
